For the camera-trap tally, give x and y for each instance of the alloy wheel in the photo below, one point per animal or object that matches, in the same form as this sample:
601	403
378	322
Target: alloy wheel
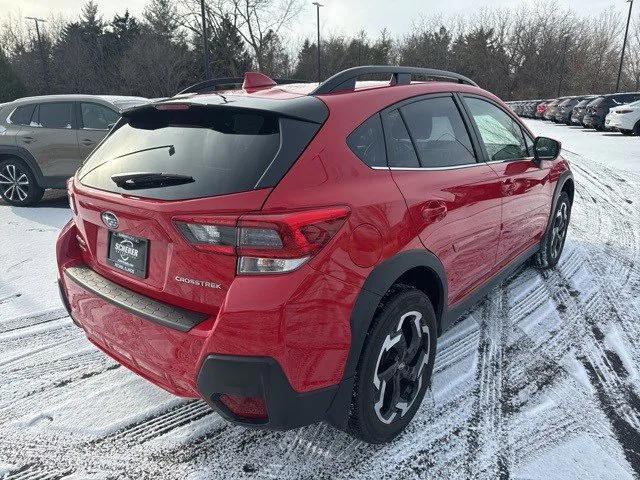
398	374
559	230
14	183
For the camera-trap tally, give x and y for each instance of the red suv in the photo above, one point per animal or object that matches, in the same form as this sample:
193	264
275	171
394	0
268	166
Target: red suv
291	253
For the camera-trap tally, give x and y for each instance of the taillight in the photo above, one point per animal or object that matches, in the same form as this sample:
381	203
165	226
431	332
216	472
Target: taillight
72	200
277	243
72	203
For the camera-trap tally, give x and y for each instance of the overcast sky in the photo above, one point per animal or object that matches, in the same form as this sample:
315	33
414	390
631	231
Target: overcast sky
338	16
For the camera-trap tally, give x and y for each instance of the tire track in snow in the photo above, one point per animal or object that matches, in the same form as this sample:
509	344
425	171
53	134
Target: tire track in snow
487	443
160	424
36	472
31	320
616	396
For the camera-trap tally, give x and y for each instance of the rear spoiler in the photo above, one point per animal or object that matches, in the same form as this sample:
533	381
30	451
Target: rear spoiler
305	108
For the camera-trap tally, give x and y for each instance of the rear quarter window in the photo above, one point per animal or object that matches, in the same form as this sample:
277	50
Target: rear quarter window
22	115
367	142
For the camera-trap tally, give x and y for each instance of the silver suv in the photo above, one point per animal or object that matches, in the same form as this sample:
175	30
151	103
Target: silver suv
43	140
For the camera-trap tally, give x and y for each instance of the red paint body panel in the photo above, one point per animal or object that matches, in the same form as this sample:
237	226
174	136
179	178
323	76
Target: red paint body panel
465	237
302	319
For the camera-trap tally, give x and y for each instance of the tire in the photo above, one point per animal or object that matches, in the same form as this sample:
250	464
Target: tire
399	353
18	185
636	129
553	242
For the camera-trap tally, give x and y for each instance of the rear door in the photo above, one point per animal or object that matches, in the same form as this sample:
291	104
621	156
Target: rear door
52	139
525	187
95	121
453	200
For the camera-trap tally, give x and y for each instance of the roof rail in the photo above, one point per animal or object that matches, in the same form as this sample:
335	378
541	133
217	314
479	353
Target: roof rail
237	82
346	79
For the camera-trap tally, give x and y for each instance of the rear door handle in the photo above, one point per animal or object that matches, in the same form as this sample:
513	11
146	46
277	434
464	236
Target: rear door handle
87	142
434	211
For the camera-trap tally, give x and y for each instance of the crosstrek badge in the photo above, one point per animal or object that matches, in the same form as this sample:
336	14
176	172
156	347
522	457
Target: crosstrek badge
197	283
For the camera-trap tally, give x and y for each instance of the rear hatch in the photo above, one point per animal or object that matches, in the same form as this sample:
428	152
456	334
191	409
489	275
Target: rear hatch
163	177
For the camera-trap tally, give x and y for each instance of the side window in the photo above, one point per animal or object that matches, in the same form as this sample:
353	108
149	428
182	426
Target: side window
22	115
367	142
501	135
399	145
439	133
55	115
97	117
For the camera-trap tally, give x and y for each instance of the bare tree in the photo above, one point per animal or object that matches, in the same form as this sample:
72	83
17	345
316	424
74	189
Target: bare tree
258	22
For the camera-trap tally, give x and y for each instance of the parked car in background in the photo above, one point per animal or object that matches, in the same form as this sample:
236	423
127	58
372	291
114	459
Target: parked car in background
552	109
542	108
565	109
580	109
599	108
529	108
625	119
45	139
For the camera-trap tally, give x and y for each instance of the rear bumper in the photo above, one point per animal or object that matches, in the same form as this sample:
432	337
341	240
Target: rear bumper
593	121
620	122
285	339
262	377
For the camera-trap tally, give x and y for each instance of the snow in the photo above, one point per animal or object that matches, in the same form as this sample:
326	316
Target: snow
539	381
612	149
27	244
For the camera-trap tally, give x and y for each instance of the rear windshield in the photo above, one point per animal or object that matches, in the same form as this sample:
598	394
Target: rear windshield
224	150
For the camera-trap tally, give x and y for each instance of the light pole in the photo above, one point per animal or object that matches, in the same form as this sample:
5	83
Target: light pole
43	59
318	5
565	51
205	41
624	46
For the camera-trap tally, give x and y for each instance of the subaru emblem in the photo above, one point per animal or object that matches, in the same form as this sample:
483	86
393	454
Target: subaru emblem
110	220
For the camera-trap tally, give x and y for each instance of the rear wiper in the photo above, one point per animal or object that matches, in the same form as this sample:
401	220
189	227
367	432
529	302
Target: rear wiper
141	180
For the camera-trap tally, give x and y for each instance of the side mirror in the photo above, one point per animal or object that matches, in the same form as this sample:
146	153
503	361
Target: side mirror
546	149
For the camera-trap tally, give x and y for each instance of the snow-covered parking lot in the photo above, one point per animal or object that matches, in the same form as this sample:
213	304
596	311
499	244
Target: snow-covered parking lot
540	381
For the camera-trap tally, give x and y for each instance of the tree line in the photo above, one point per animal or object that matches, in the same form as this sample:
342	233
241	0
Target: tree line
530	52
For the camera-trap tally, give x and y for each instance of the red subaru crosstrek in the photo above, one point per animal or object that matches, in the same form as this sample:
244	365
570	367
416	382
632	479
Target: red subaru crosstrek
290	253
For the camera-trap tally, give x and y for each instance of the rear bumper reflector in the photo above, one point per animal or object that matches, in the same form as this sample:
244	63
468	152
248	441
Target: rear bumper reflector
167	315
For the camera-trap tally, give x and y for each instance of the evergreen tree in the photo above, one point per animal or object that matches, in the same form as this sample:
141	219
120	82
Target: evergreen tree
124	30
11	87
306	64
162	17
229	56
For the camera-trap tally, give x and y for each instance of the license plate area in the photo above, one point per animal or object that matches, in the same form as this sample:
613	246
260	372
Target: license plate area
128	253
